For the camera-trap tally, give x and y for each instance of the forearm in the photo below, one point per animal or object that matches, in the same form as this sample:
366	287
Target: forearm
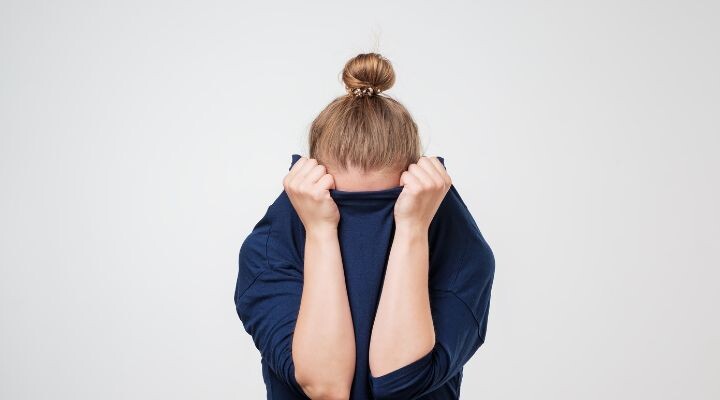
403	329
324	339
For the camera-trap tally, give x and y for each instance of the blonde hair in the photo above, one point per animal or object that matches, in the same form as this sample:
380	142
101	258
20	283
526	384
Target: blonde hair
372	131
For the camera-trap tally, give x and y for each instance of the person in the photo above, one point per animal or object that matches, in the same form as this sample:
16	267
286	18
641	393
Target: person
367	278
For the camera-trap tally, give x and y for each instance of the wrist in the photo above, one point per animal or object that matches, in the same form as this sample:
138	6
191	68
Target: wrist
411	229
321	231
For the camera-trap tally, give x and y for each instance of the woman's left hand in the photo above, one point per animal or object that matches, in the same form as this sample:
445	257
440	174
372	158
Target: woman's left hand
425	185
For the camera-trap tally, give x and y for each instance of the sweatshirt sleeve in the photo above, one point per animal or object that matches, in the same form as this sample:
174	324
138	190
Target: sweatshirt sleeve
460	318
267	299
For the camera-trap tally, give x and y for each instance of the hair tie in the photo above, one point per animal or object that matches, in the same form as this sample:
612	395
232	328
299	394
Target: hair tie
359	92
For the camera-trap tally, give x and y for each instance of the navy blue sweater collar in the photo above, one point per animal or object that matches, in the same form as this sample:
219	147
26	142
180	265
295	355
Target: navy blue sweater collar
363	197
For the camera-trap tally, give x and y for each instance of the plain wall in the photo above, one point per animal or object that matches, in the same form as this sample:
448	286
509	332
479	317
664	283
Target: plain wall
140	141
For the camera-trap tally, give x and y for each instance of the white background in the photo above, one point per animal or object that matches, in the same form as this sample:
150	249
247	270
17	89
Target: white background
140	141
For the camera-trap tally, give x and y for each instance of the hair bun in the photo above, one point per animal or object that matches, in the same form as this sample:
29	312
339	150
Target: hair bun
368	74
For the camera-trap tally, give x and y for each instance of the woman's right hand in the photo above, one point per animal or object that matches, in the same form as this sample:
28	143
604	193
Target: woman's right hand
307	185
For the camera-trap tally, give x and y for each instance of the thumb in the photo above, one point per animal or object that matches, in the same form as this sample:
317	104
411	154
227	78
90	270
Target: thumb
403	178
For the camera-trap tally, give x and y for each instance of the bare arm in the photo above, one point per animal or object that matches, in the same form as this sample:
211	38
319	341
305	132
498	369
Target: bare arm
324	340
403	330
323	344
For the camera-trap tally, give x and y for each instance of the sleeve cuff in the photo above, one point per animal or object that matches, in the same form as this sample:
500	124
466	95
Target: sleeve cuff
398	383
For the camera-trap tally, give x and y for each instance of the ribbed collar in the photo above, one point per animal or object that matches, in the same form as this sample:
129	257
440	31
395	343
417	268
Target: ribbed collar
363	196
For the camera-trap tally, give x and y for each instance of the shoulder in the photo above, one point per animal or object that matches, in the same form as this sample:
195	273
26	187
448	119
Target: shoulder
460	247
458	212
281	208
274	238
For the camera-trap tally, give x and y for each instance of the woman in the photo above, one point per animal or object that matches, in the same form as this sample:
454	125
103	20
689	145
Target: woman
367	278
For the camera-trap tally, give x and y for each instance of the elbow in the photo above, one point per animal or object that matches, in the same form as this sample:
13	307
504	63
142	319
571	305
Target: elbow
326	391
320	382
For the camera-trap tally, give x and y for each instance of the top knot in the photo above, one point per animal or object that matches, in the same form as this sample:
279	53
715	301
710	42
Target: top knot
368	74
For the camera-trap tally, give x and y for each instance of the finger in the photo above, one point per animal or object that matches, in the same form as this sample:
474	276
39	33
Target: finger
424	178
403	177
315	173
441	169
299	170
438	178
296	167
305	169
410	182
326	182
287	180
426	162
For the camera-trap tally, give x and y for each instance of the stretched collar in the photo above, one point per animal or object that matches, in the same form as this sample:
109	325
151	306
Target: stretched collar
364	197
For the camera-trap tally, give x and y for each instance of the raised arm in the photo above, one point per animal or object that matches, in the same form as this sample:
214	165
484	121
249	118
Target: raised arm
403	329
460	317
323	346
421	338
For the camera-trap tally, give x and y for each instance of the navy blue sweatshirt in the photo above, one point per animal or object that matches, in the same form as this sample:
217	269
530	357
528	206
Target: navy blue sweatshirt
461	269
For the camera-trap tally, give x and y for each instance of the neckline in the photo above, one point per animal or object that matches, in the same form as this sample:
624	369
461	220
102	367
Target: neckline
389	193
